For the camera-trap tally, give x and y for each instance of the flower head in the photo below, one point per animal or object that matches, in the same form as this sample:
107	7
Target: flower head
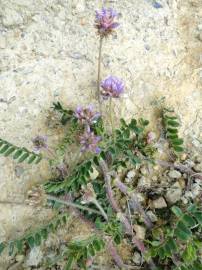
89	141
40	142
86	115
104	21
112	87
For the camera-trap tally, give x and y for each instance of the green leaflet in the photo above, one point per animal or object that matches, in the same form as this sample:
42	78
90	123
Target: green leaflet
79	251
34	238
20	154
170	122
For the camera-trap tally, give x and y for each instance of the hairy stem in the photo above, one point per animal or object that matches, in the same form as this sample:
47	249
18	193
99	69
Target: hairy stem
113	202
112	250
75	205
99	74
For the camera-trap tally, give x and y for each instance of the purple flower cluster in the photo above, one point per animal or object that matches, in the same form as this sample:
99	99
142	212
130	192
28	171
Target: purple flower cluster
40	142
89	141
86	115
104	21
112	87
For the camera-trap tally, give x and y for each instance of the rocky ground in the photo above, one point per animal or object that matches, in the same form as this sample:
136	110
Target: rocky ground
157	189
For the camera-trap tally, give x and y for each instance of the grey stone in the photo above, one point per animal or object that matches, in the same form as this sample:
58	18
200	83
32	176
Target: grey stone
174	174
19	171
174	193
144	182
143	171
200	27
152	216
198	167
137	258
35	256
159	203
140	231
131	174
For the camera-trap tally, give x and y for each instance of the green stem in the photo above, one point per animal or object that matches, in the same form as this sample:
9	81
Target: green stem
75	205
111	117
99	74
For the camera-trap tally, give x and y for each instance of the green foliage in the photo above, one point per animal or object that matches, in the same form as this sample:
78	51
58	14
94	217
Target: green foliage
180	241
112	228
171	124
79	177
20	154
80	250
34	238
130	143
66	115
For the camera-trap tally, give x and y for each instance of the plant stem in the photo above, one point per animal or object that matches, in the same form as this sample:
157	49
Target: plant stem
99	74
111	117
112	249
135	203
75	205
180	167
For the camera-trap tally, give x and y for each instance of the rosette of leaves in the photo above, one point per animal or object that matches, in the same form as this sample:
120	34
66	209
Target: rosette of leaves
179	246
171	124
79	251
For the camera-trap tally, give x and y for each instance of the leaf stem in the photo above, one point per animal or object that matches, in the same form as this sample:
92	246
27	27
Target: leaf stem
99	74
75	205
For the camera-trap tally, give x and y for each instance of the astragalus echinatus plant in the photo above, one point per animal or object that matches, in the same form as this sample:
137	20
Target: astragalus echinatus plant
90	181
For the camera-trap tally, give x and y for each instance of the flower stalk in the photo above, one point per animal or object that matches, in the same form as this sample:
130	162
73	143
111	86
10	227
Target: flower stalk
99	74
111	117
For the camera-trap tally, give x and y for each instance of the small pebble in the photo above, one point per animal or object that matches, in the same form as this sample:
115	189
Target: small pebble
183	157
174	193
174	174
154	178
131	174
190	163
200	27
140	231
159	203
19	258
198	167
143	171
144	182
182	183
137	258
152	216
